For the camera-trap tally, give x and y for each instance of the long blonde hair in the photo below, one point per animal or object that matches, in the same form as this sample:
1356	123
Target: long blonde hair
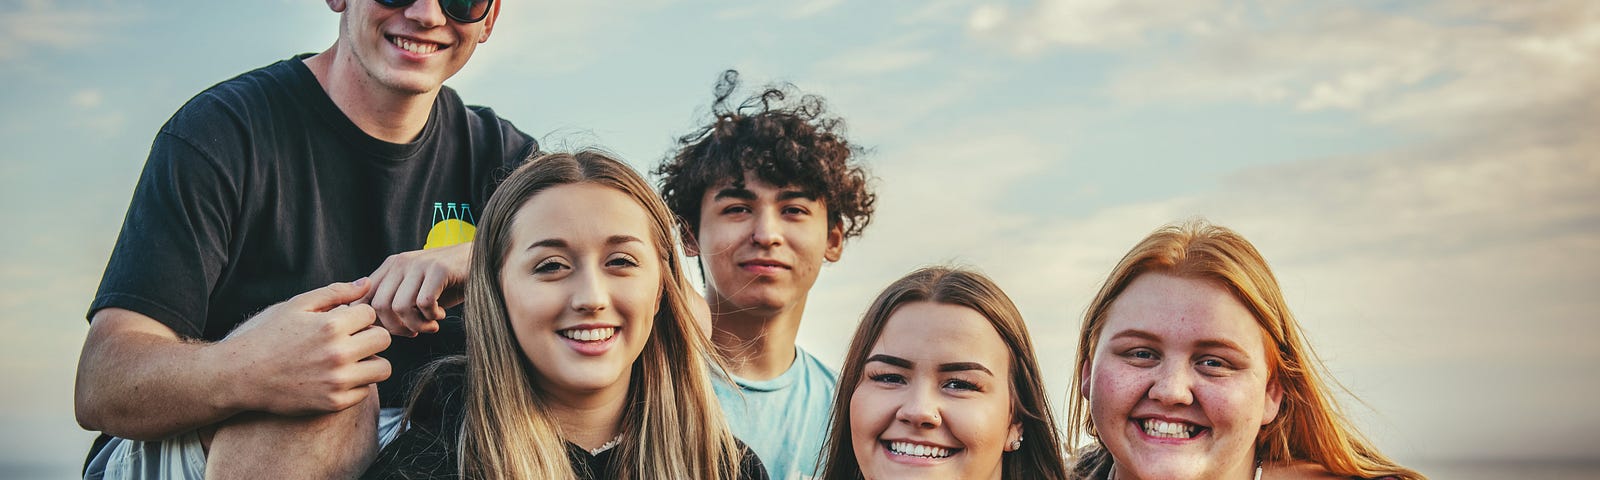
1040	455
1310	425
672	426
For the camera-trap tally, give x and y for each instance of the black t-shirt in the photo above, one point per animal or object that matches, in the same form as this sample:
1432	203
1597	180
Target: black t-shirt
426	450
260	188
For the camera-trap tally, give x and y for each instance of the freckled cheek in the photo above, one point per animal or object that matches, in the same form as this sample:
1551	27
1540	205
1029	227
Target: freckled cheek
1115	388
1235	405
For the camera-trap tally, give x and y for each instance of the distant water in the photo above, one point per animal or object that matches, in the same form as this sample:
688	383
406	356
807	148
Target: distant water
1517	470
14	471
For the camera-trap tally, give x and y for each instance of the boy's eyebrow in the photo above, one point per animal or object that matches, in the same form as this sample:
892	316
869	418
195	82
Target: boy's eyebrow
794	194
735	193
745	194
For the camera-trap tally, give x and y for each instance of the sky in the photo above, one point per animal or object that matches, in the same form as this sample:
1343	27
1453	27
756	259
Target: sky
1423	176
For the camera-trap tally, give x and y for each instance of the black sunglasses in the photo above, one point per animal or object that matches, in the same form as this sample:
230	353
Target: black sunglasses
463	11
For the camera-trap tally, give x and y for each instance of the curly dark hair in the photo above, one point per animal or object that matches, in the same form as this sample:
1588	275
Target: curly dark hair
784	145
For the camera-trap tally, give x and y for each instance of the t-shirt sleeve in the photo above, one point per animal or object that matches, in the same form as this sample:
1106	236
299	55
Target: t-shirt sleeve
174	239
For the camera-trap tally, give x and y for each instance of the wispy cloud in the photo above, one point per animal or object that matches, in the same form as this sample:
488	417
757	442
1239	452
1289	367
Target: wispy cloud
887	57
810	8
1461	67
1088	23
29	26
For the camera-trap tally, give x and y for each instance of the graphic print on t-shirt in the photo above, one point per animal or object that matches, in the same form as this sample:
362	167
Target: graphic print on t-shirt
452	224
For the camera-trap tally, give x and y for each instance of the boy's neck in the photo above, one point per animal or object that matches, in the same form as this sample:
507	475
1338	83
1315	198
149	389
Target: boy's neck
384	114
758	345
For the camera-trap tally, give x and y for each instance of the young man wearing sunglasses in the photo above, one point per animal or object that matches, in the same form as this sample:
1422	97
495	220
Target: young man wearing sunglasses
287	223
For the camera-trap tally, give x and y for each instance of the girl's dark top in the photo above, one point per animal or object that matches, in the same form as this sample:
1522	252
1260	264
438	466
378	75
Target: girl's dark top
427	448
1093	463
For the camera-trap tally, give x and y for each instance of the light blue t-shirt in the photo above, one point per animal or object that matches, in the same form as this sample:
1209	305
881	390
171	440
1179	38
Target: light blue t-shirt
784	419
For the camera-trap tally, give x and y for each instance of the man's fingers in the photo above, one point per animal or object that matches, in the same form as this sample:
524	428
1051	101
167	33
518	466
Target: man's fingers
370	341
428	296
404	303
331	296
383	301
373	369
377	275
351	319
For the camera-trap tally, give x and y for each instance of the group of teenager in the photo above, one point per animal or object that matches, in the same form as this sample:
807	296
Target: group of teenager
227	339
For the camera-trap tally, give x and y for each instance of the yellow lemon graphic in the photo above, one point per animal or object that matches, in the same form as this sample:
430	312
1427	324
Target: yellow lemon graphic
449	232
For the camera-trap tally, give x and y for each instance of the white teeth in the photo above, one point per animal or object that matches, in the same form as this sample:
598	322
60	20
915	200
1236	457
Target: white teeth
590	335
915	450
1163	429
419	48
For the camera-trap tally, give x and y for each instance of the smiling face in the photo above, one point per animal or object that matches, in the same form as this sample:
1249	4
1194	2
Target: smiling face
582	285
762	245
1179	385
410	49
935	397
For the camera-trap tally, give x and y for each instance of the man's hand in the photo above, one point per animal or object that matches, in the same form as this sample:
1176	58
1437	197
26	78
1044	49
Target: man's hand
314	353
411	290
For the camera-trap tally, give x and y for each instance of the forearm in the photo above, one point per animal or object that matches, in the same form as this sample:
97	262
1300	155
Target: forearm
138	380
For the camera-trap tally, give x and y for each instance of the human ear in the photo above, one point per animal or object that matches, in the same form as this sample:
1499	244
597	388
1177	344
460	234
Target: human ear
1014	437
1083	380
488	23
835	243
691	245
337	5
1274	402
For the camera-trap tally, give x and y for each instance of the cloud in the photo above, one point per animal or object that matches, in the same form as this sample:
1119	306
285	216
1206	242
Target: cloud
1085	23
1443	67
888	57
34	25
811	8
547	38
86	98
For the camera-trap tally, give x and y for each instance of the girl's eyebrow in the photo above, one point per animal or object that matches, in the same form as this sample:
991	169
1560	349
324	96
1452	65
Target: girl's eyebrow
620	239
1207	343
890	359
1138	334
548	242
944	367
562	243
964	366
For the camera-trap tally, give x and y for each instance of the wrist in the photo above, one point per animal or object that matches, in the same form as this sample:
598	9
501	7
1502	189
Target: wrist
227	391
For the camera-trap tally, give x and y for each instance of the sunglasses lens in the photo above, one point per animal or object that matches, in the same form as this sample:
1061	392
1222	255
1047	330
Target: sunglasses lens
465	11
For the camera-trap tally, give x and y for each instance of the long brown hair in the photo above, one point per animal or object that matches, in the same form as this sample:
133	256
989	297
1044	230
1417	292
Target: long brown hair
1040	455
1310	425
672	425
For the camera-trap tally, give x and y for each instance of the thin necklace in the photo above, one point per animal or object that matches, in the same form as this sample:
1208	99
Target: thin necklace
1113	475
618	439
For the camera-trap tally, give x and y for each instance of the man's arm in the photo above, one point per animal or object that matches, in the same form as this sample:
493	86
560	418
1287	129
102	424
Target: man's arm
138	379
